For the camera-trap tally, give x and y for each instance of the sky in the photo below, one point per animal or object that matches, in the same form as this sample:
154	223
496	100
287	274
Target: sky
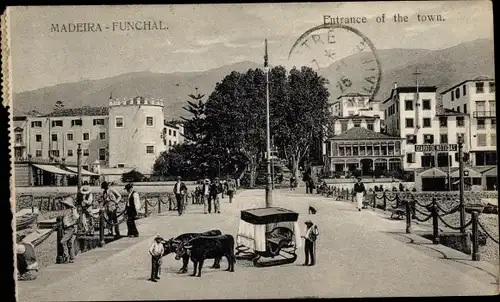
202	37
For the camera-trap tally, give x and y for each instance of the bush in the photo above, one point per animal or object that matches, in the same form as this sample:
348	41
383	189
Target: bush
133	176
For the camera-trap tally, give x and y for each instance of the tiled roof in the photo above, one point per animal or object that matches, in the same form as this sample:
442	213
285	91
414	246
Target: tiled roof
356	117
409	89
440	111
358	133
83	111
478	78
352	94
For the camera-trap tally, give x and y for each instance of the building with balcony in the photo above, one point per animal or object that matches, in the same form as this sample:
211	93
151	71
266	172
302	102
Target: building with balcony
128	134
476	99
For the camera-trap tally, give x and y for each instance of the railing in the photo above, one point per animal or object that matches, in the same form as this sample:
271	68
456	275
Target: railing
478	114
406	203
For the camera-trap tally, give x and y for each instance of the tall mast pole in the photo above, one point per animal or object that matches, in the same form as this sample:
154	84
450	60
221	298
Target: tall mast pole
269	198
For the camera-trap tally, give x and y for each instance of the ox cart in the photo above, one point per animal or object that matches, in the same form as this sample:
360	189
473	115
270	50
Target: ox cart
268	236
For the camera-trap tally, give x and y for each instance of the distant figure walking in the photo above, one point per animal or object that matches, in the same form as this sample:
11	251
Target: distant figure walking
180	191
132	209
205	191
215	193
27	265
111	198
231	189
156	251
360	191
293	180
310	237
70	220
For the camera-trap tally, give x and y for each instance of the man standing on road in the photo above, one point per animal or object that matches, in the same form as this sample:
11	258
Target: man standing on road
360	191
310	237
179	191
205	195
111	198
87	218
132	209
215	192
231	188
70	220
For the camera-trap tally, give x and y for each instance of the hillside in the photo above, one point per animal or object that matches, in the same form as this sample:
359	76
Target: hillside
442	68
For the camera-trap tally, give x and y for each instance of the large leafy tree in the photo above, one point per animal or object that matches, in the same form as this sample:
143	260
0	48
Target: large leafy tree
300	112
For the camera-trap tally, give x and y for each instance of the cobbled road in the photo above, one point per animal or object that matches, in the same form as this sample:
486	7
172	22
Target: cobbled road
358	256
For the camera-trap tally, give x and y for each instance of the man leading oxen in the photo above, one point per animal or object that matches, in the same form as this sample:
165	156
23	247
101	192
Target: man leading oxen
170	246
207	247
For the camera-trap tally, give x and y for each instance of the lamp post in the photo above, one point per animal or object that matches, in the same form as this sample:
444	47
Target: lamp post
461	171
269	200
30	175
79	166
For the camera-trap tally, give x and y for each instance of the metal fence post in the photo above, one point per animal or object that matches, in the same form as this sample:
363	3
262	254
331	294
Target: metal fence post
32	204
101	228
60	234
384	199
435	230
374	200
475	239
145	207
159	205
408	216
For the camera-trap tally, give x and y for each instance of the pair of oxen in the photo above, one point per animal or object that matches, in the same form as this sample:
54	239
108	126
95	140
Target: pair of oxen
201	246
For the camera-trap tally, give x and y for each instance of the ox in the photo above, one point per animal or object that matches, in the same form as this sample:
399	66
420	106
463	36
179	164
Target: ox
171	247
208	247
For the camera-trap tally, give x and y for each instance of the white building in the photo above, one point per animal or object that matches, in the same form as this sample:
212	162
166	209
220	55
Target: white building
476	99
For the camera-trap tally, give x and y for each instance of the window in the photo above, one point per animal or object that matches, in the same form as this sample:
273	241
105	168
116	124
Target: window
85	152
70	153
169	131
38	137
36	124
149	121
465	108
169	142
119	122
102	154
481	140
460	121
121	165
428	139
175	133
443	139
357	123
479	87
54	137
76	123
411	139
443	122
492	87
369	125
54	153
457	93
38	153
69	136
481	106
102	135
481	124
458	108
452	96
426	104
57	123
427	160
460	136
493	123
409	105
427	122
86	136
343	127
150	149
409	123
493	106
493	138
98	121
410	158
464	89
19	137
456	157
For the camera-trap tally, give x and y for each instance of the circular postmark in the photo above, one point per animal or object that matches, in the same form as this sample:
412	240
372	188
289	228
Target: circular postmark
342	54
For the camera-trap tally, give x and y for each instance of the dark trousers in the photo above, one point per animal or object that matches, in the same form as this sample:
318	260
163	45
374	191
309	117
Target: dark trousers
210	198
155	267
132	229
180	203
309	251
114	220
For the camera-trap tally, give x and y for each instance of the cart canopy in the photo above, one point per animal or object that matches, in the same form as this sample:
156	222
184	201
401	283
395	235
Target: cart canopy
268	215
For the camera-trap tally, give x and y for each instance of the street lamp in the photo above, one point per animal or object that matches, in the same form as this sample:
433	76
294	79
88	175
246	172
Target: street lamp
269	200
461	171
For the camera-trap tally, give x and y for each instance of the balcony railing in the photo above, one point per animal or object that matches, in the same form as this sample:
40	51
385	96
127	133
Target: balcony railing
484	114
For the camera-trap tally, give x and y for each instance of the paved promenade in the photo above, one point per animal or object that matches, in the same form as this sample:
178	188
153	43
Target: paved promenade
360	254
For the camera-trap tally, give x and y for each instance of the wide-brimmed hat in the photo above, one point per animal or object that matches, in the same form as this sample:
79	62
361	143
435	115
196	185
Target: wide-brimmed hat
85	190
20	249
158	237
178	178
358	178
129	186
308	222
68	201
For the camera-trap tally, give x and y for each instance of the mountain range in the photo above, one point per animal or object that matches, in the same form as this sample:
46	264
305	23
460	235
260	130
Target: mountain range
441	68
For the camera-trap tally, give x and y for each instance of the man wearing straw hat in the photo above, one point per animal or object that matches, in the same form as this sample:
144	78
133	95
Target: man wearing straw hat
27	266
205	192
310	237
87	218
70	220
111	198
